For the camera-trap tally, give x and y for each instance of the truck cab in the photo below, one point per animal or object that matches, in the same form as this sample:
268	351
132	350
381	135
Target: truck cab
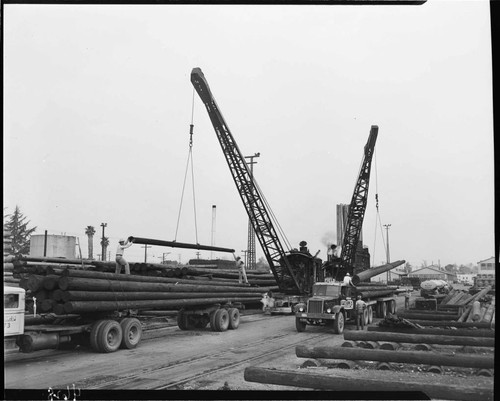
329	305
13	311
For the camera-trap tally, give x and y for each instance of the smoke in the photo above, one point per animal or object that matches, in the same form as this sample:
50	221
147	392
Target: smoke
329	238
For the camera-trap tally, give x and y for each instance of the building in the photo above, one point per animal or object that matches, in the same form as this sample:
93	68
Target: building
55	246
395	275
486	266
466	278
433	273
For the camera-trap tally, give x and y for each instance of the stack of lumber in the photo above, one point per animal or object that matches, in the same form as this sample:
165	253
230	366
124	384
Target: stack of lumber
372	290
8	267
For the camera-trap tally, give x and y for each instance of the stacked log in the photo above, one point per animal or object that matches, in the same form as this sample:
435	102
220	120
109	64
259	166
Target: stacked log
8	266
77	291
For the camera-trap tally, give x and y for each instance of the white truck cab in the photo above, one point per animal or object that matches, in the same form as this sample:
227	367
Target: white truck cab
13	311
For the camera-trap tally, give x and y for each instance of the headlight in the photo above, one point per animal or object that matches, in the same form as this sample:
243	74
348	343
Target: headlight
328	310
301	309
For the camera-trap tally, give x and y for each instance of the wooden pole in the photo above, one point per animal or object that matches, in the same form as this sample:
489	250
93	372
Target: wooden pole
442	332
413	357
422	316
459	324
103	306
418	338
366	382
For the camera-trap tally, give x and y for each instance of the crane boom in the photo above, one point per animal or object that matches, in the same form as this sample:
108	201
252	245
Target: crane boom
357	207
252	200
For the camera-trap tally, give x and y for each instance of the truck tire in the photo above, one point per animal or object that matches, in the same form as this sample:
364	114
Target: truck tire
132	333
182	320
110	336
370	315
94	332
391	306
338	324
212	321
383	310
221	320
299	325
234	318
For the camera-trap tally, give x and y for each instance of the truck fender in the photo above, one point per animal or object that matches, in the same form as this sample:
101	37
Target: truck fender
337	309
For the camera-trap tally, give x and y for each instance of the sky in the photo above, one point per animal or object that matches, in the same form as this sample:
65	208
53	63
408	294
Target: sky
98	103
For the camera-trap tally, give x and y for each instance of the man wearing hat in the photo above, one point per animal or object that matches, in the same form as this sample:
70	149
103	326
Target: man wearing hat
360	313
241	270
120	260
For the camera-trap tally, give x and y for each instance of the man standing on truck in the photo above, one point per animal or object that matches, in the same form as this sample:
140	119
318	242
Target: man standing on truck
360	313
242	277
120	260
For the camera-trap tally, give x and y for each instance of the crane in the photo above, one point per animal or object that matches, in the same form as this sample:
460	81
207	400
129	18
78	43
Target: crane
356	212
294	271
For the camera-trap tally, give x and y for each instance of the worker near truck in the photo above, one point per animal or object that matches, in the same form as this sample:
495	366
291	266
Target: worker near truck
360	313
407	299
120	260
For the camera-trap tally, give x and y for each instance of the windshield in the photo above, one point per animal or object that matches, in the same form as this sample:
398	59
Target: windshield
324	290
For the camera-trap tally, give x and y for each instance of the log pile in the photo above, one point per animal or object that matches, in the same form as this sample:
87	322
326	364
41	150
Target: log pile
8	266
79	287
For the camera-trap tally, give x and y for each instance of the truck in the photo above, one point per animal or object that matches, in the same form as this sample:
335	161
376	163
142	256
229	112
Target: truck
333	302
105	332
434	288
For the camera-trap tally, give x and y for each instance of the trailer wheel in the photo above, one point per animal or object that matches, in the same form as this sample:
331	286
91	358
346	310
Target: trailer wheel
94	333
234	318
338	324
370	314
212	321
383	310
299	325
110	336
391	306
221	320
182	321
132	333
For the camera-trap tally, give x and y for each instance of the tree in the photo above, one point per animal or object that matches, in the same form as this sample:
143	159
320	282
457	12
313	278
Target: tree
90	231
262	265
408	268
20	233
450	268
104	245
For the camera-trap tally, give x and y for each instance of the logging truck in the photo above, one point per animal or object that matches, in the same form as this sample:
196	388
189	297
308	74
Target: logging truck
104	332
333	302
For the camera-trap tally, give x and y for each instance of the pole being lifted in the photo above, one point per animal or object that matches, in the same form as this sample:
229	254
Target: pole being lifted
175	244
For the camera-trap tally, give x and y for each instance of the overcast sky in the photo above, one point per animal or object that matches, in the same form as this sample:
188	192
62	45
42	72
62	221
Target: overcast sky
98	102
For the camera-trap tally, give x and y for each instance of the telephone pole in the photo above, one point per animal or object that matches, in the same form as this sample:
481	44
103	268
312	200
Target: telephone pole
250	256
146	252
388	254
103	253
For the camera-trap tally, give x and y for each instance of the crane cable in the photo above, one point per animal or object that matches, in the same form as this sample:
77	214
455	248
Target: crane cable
378	220
188	163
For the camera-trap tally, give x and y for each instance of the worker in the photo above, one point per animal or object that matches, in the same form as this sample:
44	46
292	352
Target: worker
347	279
407	299
360	313
120	260
242	274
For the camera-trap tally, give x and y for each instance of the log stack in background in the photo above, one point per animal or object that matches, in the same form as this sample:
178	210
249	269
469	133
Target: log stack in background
8	266
63	286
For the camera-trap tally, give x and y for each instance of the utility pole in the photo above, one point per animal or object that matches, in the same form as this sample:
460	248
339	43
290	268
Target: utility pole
250	256
103	253
388	254
146	252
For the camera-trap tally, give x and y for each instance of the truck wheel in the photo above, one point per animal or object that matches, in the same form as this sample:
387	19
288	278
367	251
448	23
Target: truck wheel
234	318
110	336
370	314
391	306
221	320
182	320
212	321
338	324
299	325
383	310
201	322
132	333
94	332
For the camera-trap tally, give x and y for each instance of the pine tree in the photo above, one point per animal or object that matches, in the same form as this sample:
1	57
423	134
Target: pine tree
20	233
